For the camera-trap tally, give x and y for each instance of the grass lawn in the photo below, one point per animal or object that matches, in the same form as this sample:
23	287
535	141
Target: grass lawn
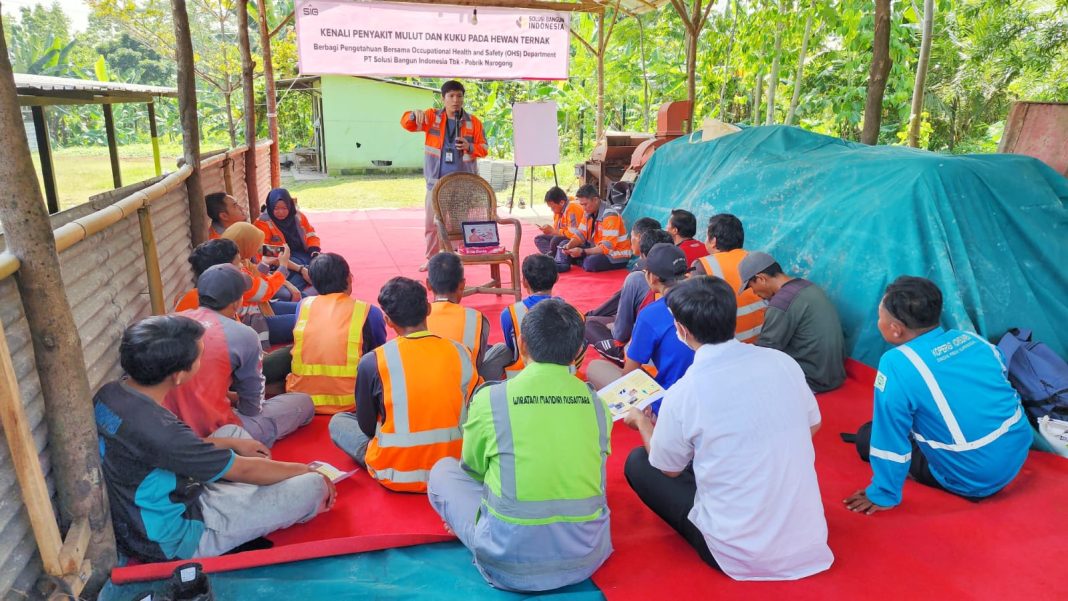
86	171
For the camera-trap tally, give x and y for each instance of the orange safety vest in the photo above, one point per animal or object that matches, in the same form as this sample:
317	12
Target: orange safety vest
433	122
273	235
327	345
751	308
423	413
456	322
567	223
607	230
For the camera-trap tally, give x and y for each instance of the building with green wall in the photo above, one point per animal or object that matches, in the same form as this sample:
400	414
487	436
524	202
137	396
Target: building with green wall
358	122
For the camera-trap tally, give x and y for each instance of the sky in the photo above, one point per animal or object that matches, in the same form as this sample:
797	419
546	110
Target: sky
77	10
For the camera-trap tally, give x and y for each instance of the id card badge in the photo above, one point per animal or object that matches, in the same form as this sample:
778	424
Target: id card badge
449	156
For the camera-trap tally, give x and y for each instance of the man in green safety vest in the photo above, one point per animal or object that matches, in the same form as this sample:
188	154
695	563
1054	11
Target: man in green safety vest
528	497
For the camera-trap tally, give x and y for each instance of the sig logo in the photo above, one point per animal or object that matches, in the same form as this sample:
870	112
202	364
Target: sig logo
310	10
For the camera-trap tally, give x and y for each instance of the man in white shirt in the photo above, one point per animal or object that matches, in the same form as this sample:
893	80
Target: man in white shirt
729	464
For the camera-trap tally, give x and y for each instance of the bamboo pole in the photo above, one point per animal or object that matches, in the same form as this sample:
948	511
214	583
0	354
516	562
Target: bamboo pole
249	92
187	107
800	71
152	128
916	116
57	348
151	252
269	92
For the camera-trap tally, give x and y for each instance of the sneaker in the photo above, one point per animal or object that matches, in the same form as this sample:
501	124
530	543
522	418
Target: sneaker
424	266
190	583
611	350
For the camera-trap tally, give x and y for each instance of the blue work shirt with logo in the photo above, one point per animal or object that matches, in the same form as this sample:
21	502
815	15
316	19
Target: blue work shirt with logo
947	390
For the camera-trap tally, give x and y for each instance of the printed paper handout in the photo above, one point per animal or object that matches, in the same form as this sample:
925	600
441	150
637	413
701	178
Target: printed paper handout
636	389
330	471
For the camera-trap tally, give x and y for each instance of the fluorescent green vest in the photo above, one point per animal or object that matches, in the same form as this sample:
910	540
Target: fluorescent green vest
552	439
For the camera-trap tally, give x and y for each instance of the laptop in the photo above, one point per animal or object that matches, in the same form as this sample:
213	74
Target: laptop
480	238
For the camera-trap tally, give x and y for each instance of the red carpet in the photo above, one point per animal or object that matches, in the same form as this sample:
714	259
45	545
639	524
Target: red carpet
933	545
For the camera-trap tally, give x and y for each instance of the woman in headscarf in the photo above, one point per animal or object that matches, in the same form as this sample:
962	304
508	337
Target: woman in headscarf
266	286
281	223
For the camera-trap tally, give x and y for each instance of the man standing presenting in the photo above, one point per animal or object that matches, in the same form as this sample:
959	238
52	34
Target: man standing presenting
454	142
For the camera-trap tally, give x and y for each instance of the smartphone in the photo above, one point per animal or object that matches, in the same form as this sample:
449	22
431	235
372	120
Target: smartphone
272	251
458	141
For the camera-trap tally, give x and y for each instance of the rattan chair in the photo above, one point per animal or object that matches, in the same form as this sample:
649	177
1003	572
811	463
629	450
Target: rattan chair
460	197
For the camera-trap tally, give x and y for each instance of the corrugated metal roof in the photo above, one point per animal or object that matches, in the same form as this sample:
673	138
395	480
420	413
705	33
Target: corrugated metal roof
65	87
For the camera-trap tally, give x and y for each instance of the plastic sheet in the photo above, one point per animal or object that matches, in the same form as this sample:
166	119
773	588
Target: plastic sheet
990	230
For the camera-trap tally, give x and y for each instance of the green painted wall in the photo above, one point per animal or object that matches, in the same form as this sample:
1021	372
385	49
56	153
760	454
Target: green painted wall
368	112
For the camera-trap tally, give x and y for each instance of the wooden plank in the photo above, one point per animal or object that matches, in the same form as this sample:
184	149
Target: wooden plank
113	145
72	553
28	100
28	464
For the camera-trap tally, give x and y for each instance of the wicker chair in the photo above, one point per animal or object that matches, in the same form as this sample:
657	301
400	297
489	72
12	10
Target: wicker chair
460	197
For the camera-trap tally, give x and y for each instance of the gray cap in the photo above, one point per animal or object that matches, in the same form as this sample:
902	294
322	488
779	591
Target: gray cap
666	261
221	285
752	264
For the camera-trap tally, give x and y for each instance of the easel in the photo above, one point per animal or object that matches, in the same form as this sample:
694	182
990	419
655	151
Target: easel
515	181
536	142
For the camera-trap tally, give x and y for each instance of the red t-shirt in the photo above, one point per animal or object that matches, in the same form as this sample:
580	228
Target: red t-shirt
693	250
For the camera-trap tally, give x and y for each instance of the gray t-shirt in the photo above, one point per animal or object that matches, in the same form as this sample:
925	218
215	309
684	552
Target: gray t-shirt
630	300
803	323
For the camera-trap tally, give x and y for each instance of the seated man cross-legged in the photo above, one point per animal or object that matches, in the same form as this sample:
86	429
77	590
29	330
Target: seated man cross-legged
600	242
333	331
173	494
411	396
448	318
229	388
528	497
730	464
944	412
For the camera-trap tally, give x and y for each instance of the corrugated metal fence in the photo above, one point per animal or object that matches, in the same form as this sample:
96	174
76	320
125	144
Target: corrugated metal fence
107	286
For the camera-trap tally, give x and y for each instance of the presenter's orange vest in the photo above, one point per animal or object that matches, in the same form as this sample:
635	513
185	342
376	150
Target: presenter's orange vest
427	381
751	308
456	322
327	345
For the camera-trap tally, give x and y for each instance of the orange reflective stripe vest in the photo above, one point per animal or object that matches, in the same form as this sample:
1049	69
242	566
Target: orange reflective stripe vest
327	345
433	122
606	230
427	381
456	322
273	236
751	308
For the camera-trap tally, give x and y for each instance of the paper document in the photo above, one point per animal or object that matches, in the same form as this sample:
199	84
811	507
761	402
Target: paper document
636	389
330	471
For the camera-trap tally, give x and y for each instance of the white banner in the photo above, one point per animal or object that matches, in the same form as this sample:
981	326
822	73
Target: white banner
424	40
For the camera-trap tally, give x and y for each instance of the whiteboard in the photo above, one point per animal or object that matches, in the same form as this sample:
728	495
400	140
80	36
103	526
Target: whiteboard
535	134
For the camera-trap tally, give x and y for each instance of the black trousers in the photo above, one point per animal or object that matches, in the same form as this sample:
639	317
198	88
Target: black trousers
669	498
919	469
608	308
547	243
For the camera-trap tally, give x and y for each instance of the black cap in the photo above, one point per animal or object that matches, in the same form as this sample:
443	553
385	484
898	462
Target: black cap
222	285
665	261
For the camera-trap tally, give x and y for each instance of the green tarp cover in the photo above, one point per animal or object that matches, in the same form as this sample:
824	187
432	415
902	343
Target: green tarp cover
442	571
990	230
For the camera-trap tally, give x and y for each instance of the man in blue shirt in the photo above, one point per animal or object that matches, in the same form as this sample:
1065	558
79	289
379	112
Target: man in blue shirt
944	411
502	359
653	338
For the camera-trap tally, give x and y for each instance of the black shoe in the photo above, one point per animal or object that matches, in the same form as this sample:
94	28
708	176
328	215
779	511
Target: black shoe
611	350
190	583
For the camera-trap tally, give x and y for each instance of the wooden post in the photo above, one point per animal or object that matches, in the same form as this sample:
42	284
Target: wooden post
249	92
155	138
113	145
48	165
57	349
272	101
877	76
187	107
148	245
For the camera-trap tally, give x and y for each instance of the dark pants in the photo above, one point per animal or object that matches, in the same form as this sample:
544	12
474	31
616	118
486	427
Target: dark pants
280	325
547	243
597	329
918	467
608	308
600	263
277	364
669	498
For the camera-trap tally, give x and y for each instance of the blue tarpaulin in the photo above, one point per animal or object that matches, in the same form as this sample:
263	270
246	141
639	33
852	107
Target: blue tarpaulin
442	571
990	230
